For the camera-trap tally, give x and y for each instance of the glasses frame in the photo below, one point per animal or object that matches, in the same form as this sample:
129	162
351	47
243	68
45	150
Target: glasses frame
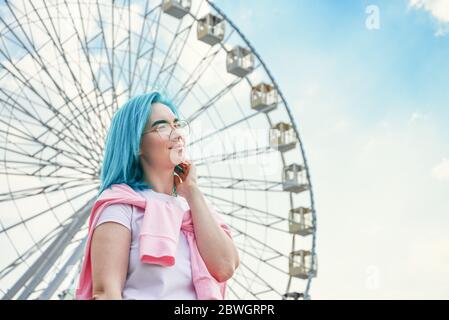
171	124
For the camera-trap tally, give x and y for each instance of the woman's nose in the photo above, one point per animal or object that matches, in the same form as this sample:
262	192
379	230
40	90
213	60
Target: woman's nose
175	135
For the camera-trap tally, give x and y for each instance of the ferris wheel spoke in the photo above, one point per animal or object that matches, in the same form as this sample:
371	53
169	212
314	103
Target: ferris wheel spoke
17	107
68	265
65	154
97	111
231	183
231	289
231	214
34	275
170	69
117	47
265	283
224	128
34	248
89	132
112	52
139	54
239	188
24	174
110	57
153	49
106	50
235	279
60	135
27	84
22	258
59	46
40	166
47	189
31	166
256	213
241	154
167	52
190	82
127	57
265	261
55	268
187	30
113	48
41	63
39	214
263	246
163	68
213	100
32	141
84	46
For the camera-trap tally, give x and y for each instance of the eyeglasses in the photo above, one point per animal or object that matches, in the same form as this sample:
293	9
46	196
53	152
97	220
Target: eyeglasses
165	129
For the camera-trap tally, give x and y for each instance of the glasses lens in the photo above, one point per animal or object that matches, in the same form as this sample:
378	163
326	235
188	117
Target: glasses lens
163	129
182	127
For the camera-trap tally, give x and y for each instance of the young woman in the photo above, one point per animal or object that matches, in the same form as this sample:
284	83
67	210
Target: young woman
146	180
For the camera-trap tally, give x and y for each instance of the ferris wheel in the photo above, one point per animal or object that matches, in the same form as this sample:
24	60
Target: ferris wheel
66	66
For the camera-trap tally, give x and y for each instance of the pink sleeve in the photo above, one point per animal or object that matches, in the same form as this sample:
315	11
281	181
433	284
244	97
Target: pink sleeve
117	212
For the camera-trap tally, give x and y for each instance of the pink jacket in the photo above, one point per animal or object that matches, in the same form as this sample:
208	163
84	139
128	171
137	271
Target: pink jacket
157	240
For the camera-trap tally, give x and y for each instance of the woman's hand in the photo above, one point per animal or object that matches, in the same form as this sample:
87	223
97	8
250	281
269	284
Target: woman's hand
188	178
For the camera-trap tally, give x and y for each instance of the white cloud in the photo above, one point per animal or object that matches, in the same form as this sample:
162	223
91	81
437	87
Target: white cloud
416	116
441	170
439	9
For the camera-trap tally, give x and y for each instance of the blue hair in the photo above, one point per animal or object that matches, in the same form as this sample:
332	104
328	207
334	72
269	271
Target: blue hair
121	161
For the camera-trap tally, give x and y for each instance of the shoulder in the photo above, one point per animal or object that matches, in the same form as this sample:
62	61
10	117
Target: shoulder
116	212
119	206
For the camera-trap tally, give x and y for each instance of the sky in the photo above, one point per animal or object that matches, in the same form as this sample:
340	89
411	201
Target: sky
371	100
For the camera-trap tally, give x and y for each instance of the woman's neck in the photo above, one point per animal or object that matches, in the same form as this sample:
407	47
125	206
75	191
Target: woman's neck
161	180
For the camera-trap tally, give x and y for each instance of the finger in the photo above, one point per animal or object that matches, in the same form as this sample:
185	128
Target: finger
185	174
180	180
185	167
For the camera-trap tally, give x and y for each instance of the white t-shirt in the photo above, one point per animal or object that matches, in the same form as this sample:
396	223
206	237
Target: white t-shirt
146	281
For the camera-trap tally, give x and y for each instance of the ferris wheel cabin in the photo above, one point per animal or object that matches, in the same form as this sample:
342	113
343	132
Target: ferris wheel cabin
211	29
264	97
176	8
